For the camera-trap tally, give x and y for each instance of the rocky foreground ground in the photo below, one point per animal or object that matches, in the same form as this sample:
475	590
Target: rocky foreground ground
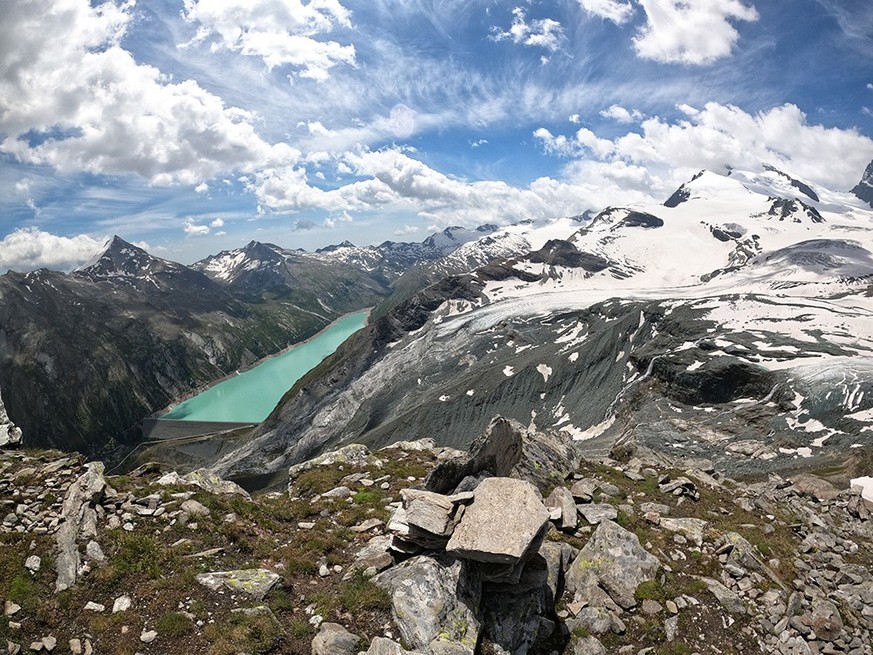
519	546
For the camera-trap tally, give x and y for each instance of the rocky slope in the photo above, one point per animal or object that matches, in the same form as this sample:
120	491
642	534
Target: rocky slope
733	324
520	546
85	357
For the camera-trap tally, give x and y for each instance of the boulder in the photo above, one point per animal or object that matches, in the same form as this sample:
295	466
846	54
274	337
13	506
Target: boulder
518	616
825	619
588	646
562	499
507	516
334	639
432	512
497	450
598	512
596	620
692	529
253	582
433	596
725	597
204	479
811	485
614	560
383	646
10	435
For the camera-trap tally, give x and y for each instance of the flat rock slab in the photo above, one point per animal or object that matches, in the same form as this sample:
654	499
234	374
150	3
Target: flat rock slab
506	517
254	582
598	512
429	511
614	560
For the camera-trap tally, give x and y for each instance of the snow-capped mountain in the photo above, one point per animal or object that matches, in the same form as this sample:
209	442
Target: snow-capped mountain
864	188
392	259
120	261
740	311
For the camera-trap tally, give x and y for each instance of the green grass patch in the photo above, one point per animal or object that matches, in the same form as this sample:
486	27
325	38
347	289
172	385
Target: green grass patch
174	624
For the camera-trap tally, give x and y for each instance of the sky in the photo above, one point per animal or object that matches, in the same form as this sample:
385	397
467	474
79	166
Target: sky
193	126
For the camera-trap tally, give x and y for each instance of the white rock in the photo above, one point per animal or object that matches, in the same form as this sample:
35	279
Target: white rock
148	636
95	607
121	604
33	563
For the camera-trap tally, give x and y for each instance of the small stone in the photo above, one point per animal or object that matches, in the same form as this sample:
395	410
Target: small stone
306	525
651	607
93	552
672	607
671	626
95	607
33	563
194	508
10	608
49	643
148	637
323	571
121	604
75	646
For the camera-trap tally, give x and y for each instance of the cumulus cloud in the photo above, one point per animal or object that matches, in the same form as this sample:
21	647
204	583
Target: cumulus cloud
191	229
390	180
281	32
72	98
621	115
663	153
544	33
26	249
618	11
694	32
217	222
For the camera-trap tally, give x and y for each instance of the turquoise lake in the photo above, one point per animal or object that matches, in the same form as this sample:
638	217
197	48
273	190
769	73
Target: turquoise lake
249	397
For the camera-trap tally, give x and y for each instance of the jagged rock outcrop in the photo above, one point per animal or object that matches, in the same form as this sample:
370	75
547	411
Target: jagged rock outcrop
79	521
10	434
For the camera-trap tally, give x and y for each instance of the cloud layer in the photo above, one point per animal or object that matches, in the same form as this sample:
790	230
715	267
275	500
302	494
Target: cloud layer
31	248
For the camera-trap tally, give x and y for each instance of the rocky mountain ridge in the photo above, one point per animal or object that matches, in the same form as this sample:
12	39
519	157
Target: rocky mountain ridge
518	546
727	318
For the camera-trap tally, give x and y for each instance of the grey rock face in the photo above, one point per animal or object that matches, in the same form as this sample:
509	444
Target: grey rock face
433	596
79	521
497	450
614	560
334	639
598	512
562	499
506	517
10	435
692	529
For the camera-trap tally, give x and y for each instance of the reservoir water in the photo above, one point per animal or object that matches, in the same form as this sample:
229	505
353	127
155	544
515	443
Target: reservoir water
249	397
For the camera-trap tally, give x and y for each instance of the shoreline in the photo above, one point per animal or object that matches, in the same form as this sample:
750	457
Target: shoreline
156	416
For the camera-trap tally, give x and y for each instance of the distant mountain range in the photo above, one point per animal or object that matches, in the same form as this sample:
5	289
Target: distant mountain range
85	356
732	323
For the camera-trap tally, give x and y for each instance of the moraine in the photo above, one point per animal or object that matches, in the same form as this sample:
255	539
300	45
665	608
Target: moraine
250	396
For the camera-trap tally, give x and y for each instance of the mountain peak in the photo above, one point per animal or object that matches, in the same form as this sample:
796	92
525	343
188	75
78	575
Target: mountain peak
864	188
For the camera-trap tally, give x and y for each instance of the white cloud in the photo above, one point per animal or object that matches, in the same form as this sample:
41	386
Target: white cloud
193	230
217	223
867	111
621	115
870	86
201	188
544	33
406	230
26	249
281	32
618	11
73	99
715	137
391	181
574	118
690	31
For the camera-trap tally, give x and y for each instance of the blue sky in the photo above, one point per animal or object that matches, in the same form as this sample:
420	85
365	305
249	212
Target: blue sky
192	126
